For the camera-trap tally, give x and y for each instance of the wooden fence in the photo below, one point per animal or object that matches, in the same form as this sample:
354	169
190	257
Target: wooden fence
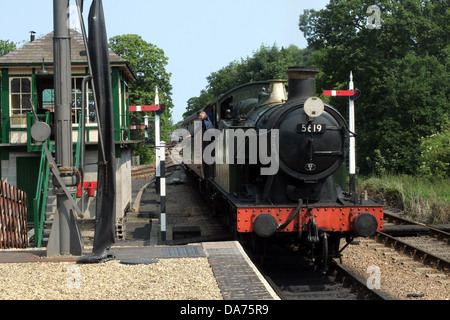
13	217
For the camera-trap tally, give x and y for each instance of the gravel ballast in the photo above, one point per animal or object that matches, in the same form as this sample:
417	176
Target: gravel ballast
167	279
399	276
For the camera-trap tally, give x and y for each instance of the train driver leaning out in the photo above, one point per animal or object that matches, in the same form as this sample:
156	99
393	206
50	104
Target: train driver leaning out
207	119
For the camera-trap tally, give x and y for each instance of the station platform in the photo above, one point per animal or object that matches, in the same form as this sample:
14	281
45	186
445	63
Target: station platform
236	275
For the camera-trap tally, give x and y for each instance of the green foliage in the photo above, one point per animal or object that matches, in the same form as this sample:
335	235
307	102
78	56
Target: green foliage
268	62
435	156
149	63
402	70
414	105
378	163
424	200
6	47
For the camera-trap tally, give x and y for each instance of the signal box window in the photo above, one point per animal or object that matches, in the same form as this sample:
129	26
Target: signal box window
48	101
20	93
91	117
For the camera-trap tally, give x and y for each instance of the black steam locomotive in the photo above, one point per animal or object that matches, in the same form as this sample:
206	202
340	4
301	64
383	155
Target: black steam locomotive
268	166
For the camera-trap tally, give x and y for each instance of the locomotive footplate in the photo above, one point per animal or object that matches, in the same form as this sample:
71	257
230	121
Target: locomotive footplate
364	220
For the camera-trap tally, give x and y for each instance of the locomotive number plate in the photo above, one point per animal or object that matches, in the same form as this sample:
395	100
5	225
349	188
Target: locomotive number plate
311	128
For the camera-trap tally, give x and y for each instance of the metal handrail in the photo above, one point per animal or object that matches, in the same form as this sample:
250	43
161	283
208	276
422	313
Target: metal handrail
40	199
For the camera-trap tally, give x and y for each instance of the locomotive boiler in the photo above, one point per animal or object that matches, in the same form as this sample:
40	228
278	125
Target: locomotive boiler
268	166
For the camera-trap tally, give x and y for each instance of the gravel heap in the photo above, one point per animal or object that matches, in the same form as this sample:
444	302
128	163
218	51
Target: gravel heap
401	277
168	279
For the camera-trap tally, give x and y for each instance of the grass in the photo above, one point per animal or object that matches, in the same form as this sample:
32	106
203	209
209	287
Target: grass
422	199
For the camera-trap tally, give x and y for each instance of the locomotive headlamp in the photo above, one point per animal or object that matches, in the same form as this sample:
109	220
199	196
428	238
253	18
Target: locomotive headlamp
314	107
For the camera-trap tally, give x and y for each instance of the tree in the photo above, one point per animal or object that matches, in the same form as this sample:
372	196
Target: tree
149	62
414	106
435	154
6	47
400	68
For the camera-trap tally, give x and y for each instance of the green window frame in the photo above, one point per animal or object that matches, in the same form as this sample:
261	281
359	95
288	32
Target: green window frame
20	89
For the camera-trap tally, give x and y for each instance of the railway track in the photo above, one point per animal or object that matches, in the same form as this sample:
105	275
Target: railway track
143	172
397	225
294	278
147	171
424	243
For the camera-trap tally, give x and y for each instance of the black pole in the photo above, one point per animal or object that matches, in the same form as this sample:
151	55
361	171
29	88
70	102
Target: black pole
105	220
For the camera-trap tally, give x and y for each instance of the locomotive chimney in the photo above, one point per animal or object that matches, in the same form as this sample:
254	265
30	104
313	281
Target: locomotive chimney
301	82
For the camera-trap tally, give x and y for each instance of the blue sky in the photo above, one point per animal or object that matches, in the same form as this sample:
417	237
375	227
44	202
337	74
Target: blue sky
198	36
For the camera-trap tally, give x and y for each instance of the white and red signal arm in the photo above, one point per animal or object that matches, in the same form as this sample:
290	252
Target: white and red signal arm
143	108
138	127
353	94
338	93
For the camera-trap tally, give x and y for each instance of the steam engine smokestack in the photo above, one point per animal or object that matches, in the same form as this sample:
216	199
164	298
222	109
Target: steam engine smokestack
301	82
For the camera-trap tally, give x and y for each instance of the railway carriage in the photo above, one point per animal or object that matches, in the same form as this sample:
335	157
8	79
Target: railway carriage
269	163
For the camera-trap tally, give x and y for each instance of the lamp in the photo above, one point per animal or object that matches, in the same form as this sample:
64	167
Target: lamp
43	71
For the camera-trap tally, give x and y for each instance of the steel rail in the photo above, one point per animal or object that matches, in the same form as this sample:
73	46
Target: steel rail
422	255
438	233
338	272
347	276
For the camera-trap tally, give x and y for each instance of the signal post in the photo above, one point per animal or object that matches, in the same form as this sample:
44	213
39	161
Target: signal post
352	94
160	182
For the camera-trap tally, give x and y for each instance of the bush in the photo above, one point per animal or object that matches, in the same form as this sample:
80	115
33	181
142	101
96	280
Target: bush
435	155
378	163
